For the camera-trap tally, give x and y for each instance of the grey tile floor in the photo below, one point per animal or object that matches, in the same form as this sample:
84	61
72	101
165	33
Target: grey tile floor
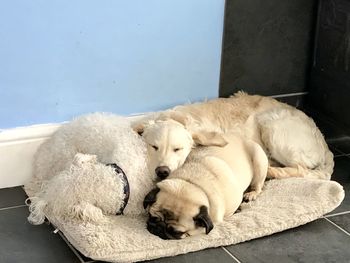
324	240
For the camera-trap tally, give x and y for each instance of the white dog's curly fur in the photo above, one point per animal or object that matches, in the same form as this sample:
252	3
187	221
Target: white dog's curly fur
70	178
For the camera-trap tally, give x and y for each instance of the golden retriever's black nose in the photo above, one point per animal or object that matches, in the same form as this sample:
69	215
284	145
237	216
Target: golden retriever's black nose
162	172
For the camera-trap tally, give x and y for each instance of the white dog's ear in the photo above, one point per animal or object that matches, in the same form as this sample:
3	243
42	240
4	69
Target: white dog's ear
138	127
209	139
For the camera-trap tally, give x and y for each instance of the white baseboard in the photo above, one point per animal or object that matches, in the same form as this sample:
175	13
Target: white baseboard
17	148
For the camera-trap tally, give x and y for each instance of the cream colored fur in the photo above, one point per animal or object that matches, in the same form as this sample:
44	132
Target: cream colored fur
215	177
282	205
292	141
88	190
70	178
169	142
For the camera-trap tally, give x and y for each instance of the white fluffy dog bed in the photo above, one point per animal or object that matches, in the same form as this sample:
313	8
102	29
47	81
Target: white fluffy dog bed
283	204
80	195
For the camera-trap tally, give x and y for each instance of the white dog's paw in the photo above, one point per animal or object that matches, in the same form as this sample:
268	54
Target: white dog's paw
86	212
250	196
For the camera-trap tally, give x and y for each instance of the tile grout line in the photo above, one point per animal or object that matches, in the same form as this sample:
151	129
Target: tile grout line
284	95
341	155
338	214
340	151
343	230
232	256
341	137
12	207
71	247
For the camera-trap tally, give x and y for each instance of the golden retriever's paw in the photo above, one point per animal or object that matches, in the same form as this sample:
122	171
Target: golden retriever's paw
250	196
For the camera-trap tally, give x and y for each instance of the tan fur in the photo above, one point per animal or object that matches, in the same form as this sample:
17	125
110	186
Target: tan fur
214	177
169	142
290	138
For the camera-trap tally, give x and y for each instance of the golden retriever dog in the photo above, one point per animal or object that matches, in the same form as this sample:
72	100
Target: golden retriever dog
291	140
209	186
169	143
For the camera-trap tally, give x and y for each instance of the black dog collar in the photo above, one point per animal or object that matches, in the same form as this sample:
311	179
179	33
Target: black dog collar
119	171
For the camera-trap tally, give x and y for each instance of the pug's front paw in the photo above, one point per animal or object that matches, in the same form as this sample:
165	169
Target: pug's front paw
250	196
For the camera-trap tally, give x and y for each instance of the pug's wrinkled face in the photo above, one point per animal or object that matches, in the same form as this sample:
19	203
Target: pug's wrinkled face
174	217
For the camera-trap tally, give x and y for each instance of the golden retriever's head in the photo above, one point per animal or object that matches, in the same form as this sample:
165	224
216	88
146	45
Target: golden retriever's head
169	143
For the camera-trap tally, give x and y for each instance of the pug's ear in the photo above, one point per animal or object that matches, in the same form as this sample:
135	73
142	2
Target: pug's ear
150	198
203	219
209	139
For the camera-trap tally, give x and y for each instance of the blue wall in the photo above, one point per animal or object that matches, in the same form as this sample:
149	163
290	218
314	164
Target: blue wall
59	59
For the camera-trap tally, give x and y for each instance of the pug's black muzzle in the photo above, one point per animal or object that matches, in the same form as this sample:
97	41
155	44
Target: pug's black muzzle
160	229
157	228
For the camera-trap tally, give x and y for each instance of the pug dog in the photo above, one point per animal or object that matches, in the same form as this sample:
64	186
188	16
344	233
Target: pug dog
209	186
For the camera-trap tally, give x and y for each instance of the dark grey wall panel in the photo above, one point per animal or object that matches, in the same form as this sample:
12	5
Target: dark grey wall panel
330	76
267	46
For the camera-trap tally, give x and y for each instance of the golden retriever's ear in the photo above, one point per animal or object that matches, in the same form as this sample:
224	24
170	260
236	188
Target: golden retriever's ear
176	116
209	139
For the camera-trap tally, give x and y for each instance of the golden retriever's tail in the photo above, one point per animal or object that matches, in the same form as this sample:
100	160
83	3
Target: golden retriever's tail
284	172
323	171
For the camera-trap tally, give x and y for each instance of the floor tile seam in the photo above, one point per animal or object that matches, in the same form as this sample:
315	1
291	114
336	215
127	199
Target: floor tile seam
339	150
71	247
341	137
286	95
347	155
337	214
11	207
339	227
323	118
231	255
340	155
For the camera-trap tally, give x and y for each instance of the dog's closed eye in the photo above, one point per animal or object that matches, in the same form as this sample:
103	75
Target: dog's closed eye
155	147
168	215
154	219
177	149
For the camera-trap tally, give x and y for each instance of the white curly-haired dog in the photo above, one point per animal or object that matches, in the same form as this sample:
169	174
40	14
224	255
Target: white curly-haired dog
291	140
92	166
